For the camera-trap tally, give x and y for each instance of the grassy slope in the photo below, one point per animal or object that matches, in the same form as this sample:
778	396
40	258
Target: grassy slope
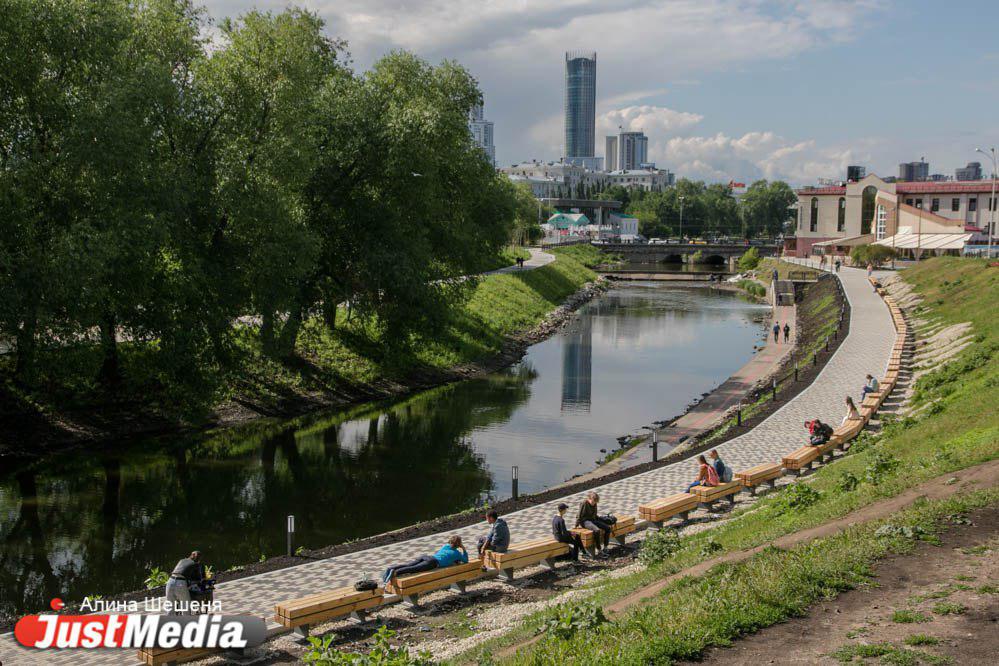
960	430
500	306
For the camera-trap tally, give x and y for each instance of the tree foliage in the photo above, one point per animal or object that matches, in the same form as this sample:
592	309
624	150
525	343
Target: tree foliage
862	255
162	193
766	208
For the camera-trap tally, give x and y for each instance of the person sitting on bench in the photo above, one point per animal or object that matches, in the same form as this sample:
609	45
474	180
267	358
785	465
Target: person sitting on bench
589	519
450	553
706	474
498	539
852	413
562	533
818	432
871	386
724	471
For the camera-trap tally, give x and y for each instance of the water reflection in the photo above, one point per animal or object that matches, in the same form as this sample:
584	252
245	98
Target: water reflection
87	523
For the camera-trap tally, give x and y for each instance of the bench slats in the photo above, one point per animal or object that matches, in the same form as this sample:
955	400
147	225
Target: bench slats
709	493
436	579
324	601
799	458
759	474
666	507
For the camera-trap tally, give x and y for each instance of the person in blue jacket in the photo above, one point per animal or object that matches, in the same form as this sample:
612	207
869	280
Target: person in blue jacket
449	554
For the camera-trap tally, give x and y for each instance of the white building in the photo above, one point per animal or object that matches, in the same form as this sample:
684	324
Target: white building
610	153
482	132
633	150
654	180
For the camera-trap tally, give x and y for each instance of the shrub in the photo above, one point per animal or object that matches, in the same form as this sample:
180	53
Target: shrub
921	639
796	496
157	578
697	258
909	617
658	547
881	465
847	481
749	260
949	608
710	547
570	618
322	653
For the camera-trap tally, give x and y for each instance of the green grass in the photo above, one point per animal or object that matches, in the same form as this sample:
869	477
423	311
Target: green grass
892	655
752	287
963	433
921	639
909	617
949	608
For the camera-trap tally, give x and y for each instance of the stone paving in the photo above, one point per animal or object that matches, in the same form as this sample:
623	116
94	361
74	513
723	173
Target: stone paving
865	350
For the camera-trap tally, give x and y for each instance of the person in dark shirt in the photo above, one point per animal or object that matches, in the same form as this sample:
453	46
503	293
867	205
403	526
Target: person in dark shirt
498	538
776	332
787	332
188	572
562	533
589	519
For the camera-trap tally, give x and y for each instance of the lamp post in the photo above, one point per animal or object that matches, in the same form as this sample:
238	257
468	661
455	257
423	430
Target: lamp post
992	200
681	219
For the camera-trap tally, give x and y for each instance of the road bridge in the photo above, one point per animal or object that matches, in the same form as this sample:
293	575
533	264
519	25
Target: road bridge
711	253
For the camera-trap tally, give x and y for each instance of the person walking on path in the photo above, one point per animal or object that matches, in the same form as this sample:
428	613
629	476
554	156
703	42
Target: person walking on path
498	538
706	474
563	535
449	554
838	264
775	275
787	332
777	332
870	269
589	519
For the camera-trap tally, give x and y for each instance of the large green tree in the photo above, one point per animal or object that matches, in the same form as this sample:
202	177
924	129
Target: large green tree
767	207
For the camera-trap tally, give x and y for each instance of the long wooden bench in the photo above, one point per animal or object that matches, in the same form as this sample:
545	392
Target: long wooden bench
659	511
177	655
302	613
801	459
456	576
525	554
708	495
625	525
754	476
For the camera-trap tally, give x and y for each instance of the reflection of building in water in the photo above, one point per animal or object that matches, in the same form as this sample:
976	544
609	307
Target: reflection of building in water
577	366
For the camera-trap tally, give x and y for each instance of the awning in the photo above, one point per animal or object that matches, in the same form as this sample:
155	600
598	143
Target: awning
926	241
849	241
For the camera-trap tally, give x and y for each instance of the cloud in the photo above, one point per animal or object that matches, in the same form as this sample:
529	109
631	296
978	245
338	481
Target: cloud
653	120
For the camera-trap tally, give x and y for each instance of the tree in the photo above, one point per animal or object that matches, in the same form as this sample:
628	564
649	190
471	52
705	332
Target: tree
861	255
749	260
766	208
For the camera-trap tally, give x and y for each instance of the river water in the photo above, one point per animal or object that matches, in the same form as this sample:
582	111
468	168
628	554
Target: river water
87	523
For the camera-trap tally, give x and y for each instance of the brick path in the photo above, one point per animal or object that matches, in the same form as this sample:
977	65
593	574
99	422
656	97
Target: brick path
865	350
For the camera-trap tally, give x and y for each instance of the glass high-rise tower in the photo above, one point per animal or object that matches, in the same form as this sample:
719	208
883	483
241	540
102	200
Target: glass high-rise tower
580	103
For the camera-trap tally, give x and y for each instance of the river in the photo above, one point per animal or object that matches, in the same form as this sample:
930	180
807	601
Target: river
85	523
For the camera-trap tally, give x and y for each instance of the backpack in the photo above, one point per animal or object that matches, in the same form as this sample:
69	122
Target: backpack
365	585
726	475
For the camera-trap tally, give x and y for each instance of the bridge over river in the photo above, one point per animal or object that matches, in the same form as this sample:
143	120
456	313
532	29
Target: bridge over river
712	253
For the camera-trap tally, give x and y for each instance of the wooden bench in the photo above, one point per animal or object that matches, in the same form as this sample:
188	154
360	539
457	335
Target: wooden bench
801	459
872	400
660	510
304	612
177	655
708	495
412	586
625	525
766	473
525	554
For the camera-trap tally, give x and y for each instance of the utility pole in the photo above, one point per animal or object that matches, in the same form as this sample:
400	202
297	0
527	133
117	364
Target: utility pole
681	220
992	200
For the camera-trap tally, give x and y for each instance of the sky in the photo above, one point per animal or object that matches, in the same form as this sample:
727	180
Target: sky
724	89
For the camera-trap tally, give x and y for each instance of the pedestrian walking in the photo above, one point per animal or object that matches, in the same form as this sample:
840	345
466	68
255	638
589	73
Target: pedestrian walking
776	333
787	332
870	269
838	264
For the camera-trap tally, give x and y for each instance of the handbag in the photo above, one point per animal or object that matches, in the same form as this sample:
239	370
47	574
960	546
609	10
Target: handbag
609	519
365	586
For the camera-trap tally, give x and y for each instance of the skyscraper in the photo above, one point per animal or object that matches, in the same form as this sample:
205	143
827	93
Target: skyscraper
610	153
633	150
971	172
580	103
914	171
482	132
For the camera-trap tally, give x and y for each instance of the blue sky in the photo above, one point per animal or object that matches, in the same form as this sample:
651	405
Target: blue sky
738	89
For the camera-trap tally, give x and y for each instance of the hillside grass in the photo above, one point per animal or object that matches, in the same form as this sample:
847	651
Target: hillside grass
960	430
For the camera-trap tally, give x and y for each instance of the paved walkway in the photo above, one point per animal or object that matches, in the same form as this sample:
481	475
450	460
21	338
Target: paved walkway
865	350
537	260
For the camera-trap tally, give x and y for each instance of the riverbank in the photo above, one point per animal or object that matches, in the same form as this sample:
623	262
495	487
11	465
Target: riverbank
505	314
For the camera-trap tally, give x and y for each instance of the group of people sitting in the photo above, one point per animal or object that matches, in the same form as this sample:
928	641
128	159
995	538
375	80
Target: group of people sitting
713	473
498	540
819	432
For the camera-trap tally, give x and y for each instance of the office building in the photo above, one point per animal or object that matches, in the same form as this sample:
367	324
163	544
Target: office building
914	171
855	173
971	172
610	153
633	150
482	132
580	104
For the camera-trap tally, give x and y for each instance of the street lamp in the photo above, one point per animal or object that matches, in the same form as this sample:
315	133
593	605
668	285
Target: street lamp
681	219
992	200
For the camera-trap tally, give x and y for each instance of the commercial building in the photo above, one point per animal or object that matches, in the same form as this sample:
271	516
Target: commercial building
914	171
971	172
653	180
580	104
482	132
833	219
564	179
610	153
855	173
633	150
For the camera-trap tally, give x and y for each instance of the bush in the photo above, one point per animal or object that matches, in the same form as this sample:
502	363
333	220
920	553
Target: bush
880	466
157	578
749	260
696	258
796	496
322	653
871	254
847	481
909	617
570	618
659	546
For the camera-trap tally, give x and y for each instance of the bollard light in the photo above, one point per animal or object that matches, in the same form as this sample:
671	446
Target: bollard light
291	535
775	390
738	417
515	482
795	371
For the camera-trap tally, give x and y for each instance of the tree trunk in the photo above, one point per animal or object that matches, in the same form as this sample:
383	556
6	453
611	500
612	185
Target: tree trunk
329	313
289	334
25	367
110	373
267	333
